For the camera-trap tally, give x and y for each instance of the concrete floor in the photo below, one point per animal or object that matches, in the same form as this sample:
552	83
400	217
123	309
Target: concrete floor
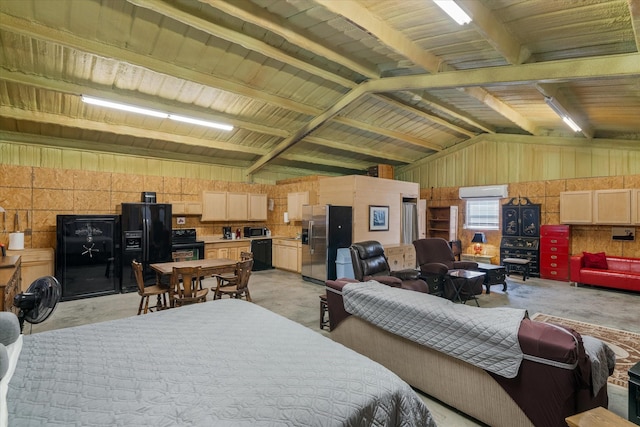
290	296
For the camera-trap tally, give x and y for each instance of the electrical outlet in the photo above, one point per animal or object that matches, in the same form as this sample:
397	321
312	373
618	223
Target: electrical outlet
181	220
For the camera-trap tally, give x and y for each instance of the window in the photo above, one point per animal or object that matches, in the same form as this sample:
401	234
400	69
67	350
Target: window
483	214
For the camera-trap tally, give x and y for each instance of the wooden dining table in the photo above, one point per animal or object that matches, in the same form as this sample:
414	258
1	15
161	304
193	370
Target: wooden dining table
208	267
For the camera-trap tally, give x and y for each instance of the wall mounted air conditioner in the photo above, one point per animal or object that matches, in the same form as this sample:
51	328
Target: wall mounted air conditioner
483	192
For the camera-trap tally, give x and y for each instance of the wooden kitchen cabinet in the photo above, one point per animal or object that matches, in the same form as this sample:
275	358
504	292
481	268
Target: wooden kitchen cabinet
257	207
229	249
287	254
186	208
36	263
214	206
10	278
228	206
237	206
612	207
635	206
576	207
295	201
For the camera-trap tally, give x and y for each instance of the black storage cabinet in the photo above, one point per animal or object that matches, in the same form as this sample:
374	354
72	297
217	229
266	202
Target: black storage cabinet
634	394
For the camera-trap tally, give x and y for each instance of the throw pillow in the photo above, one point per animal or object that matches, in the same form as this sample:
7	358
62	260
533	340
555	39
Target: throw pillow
597	260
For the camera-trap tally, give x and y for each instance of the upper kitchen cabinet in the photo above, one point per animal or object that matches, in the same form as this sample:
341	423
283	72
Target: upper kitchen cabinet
635	208
214	206
295	201
228	206
602	207
237	206
257	207
576	207
612	207
186	208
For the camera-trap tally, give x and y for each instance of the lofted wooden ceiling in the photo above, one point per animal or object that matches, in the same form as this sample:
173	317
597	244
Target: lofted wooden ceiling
315	86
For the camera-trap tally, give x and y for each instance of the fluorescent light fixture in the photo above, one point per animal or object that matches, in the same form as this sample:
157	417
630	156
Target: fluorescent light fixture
200	122
154	113
551	102
124	107
454	11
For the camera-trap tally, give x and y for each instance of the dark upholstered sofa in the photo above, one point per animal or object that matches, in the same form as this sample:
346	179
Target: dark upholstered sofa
620	273
541	395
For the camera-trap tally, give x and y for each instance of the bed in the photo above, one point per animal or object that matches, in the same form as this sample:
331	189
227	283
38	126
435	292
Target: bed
223	362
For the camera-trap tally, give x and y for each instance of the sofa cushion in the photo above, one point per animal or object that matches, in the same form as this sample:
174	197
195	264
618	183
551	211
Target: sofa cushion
597	260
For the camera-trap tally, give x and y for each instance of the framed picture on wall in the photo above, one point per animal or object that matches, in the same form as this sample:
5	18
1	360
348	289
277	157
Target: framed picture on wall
378	218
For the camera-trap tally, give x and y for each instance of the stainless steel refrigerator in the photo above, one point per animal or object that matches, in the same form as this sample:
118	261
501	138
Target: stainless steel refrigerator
146	237
325	229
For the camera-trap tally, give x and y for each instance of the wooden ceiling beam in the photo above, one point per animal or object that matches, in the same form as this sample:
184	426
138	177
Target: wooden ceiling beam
258	16
495	32
60	120
354	165
609	66
396	40
139	99
355	148
634	11
41	32
502	108
82	145
426	116
243	40
388	133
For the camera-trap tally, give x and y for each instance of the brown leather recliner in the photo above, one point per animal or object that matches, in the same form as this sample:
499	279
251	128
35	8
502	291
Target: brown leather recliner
435	257
370	263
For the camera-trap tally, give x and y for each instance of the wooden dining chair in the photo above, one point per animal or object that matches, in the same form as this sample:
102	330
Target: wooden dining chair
240	283
186	287
229	279
146	292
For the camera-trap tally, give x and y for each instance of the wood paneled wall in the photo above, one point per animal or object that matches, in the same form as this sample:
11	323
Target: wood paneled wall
497	159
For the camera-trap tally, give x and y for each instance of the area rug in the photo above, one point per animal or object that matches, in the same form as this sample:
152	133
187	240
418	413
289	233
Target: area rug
626	345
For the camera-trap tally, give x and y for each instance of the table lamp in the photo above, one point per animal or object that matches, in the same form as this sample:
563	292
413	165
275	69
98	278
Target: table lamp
478	239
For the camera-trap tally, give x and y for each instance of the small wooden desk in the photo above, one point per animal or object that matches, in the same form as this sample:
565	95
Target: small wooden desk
597	417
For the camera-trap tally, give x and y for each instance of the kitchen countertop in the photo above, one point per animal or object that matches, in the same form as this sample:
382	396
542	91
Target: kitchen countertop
219	239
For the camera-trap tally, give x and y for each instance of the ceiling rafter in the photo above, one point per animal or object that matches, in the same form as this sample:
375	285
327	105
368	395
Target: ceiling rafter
243	40
634	11
140	100
387	132
353	165
38	31
53	141
623	65
101	126
355	148
394	39
248	12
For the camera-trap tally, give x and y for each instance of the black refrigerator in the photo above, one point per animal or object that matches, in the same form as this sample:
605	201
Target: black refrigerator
146	238
88	255
325	229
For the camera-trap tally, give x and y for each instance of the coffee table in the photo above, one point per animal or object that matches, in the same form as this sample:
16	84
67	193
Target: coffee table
462	279
495	275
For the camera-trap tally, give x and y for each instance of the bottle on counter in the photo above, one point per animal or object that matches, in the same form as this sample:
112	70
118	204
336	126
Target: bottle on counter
237	233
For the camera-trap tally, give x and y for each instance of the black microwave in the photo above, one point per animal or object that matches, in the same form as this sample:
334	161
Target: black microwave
255	231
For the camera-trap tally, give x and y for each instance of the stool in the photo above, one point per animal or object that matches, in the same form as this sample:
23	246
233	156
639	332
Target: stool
324	309
519	264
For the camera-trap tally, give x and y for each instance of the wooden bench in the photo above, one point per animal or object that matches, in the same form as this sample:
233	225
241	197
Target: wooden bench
517	264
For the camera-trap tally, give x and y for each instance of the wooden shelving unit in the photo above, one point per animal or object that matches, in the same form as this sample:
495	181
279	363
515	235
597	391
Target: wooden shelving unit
442	221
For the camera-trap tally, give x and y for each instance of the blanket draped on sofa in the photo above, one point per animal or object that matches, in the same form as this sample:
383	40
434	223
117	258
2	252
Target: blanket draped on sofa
485	338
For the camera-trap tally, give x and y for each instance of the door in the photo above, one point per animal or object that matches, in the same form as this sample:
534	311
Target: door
338	234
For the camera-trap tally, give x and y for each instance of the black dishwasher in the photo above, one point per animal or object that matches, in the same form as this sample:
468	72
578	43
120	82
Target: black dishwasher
261	249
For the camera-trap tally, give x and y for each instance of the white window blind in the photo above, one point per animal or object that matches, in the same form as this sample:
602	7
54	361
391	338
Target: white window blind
483	214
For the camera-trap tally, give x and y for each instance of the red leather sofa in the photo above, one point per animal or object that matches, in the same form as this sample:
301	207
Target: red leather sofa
621	273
